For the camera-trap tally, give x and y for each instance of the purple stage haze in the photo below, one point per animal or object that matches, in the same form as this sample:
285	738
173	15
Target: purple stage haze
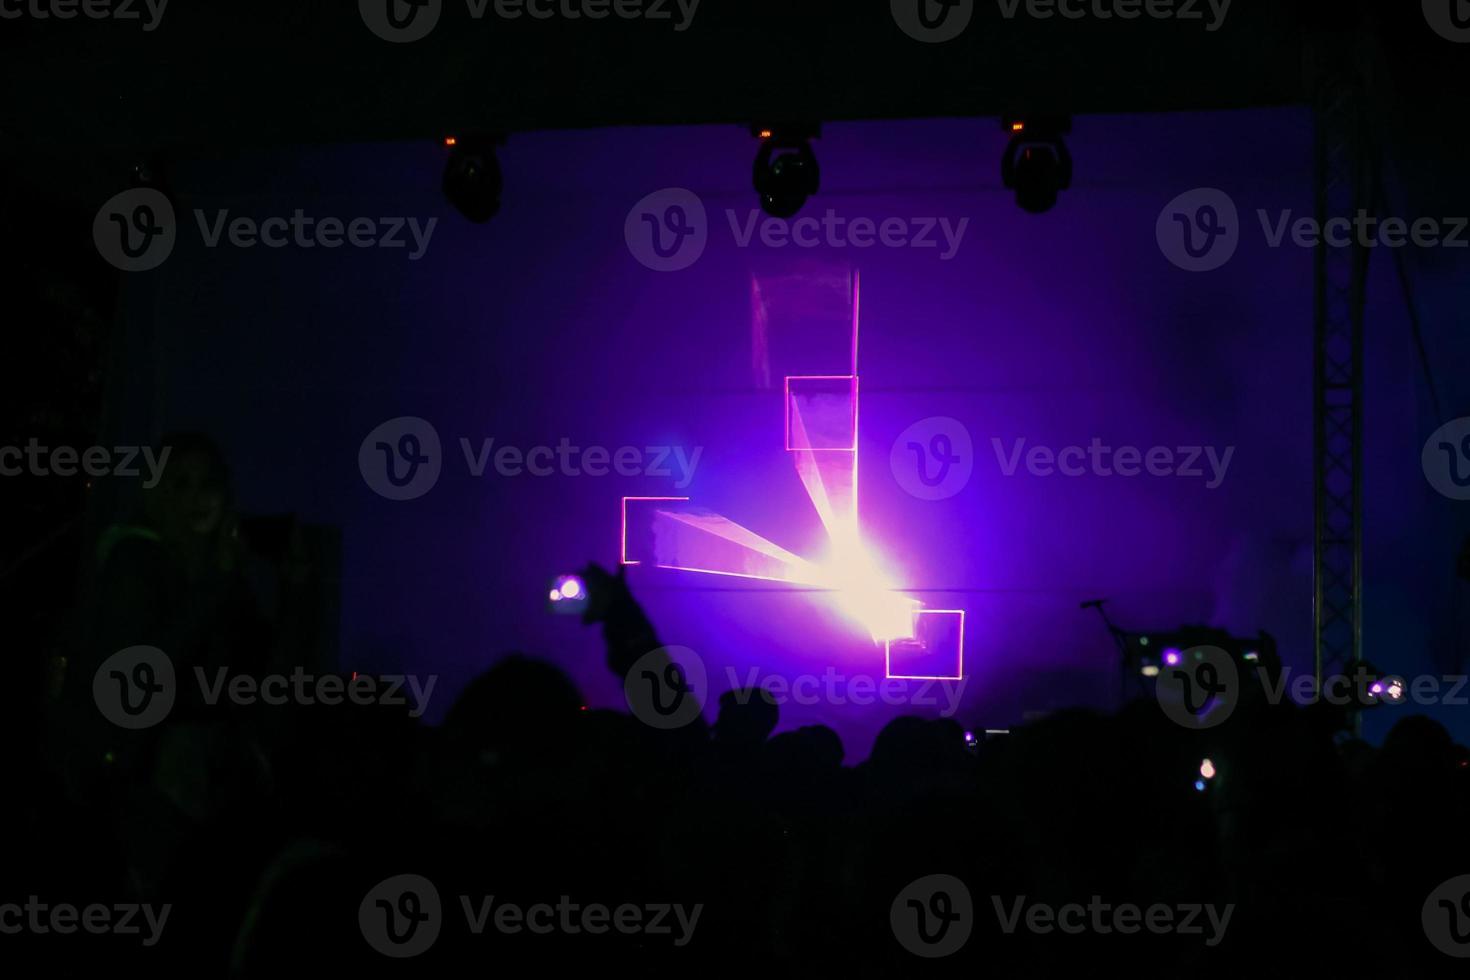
542	329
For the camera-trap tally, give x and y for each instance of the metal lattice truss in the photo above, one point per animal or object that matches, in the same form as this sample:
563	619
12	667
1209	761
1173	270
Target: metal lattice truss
1344	185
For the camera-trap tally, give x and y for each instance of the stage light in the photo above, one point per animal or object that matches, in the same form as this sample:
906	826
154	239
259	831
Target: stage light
1207	769
786	171
567	596
1150	670
863	591
1390	690
1199	784
472	180
1037	164
1171	657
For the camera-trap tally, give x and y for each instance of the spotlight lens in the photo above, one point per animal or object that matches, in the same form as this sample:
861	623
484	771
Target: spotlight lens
1171	657
571	588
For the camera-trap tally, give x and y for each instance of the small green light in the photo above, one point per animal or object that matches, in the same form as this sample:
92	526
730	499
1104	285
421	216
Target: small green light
1143	641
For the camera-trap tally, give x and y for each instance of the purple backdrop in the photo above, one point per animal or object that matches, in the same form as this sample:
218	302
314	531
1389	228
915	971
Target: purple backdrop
542	325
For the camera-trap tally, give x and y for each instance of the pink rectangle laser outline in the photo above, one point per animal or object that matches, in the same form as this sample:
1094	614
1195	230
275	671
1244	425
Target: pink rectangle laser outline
786	410
888	649
623	542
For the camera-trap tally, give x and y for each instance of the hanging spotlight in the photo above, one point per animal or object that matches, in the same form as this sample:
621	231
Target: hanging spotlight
786	172
472	180
1037	164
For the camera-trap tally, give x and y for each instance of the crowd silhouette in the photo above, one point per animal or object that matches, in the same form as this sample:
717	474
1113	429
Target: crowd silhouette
267	830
